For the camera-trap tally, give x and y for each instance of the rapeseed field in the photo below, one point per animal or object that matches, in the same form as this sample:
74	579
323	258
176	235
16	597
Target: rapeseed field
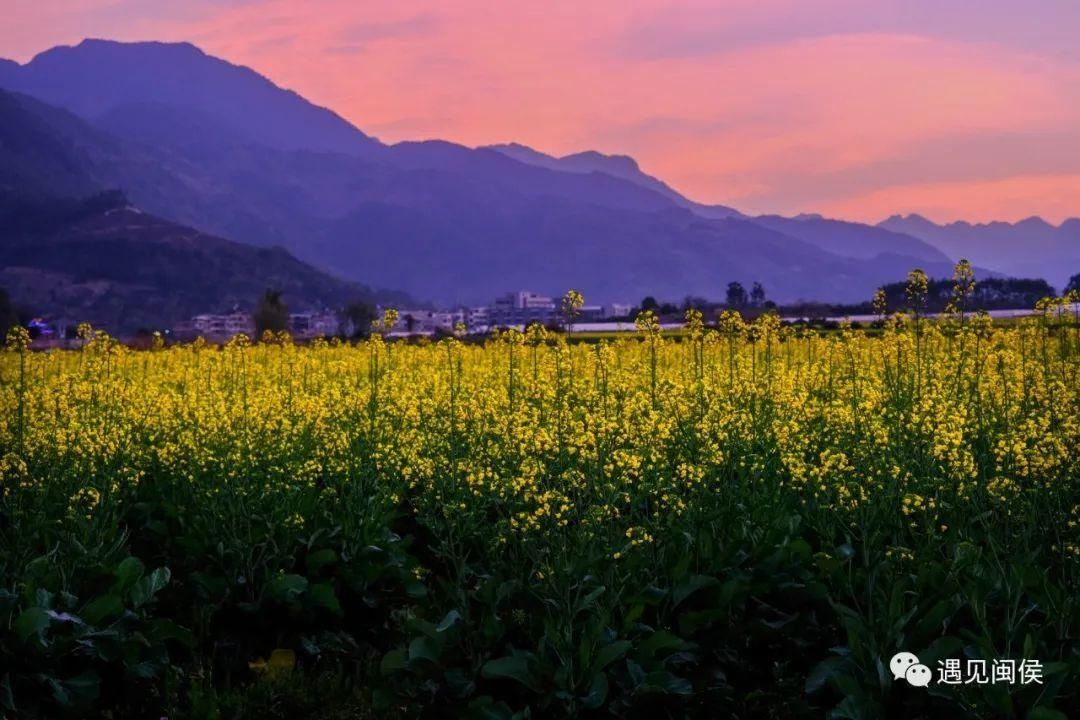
748	520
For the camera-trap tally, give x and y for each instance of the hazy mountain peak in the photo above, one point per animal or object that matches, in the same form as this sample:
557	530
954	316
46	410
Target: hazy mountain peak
902	218
623	167
1034	222
104	44
617	164
95	77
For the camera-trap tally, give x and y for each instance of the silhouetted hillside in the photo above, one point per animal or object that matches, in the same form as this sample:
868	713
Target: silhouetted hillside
104	261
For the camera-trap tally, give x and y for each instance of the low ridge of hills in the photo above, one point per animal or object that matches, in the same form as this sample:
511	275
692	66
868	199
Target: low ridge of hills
101	260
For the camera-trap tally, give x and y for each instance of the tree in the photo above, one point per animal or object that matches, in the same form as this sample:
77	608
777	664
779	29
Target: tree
356	318
736	295
9	318
649	303
1074	284
271	313
757	294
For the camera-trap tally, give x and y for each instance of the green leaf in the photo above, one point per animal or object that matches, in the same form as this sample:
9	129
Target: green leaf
101	608
486	708
285	588
459	684
692	622
598	691
32	621
518	667
423	648
127	574
146	670
393	661
415	589
665	682
146	587
633	614
691	586
609	654
944	647
76	691
62	618
164	629
323	595
451	619
319	559
660	641
586	602
1045	713
824	670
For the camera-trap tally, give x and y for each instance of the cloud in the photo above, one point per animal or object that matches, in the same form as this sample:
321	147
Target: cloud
364	32
357	37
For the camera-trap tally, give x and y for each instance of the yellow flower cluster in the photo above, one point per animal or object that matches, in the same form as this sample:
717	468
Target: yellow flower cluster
531	436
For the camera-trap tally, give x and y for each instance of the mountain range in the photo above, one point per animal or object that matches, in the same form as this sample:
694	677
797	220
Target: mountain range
214	146
1029	248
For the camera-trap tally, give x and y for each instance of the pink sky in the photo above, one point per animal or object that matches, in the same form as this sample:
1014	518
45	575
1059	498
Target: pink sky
852	108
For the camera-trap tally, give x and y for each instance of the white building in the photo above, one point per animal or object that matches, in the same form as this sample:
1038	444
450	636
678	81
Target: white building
522	308
427	322
223	327
617	310
307	325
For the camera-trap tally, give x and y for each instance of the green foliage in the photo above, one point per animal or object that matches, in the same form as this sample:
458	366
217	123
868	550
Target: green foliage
66	652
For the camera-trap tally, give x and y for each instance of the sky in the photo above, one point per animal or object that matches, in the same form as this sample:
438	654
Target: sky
955	109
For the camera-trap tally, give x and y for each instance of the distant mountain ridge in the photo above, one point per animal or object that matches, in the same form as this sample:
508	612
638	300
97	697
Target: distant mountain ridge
241	158
620	166
1029	248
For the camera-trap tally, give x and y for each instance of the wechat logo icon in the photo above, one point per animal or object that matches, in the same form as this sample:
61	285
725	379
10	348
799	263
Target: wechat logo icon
905	665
